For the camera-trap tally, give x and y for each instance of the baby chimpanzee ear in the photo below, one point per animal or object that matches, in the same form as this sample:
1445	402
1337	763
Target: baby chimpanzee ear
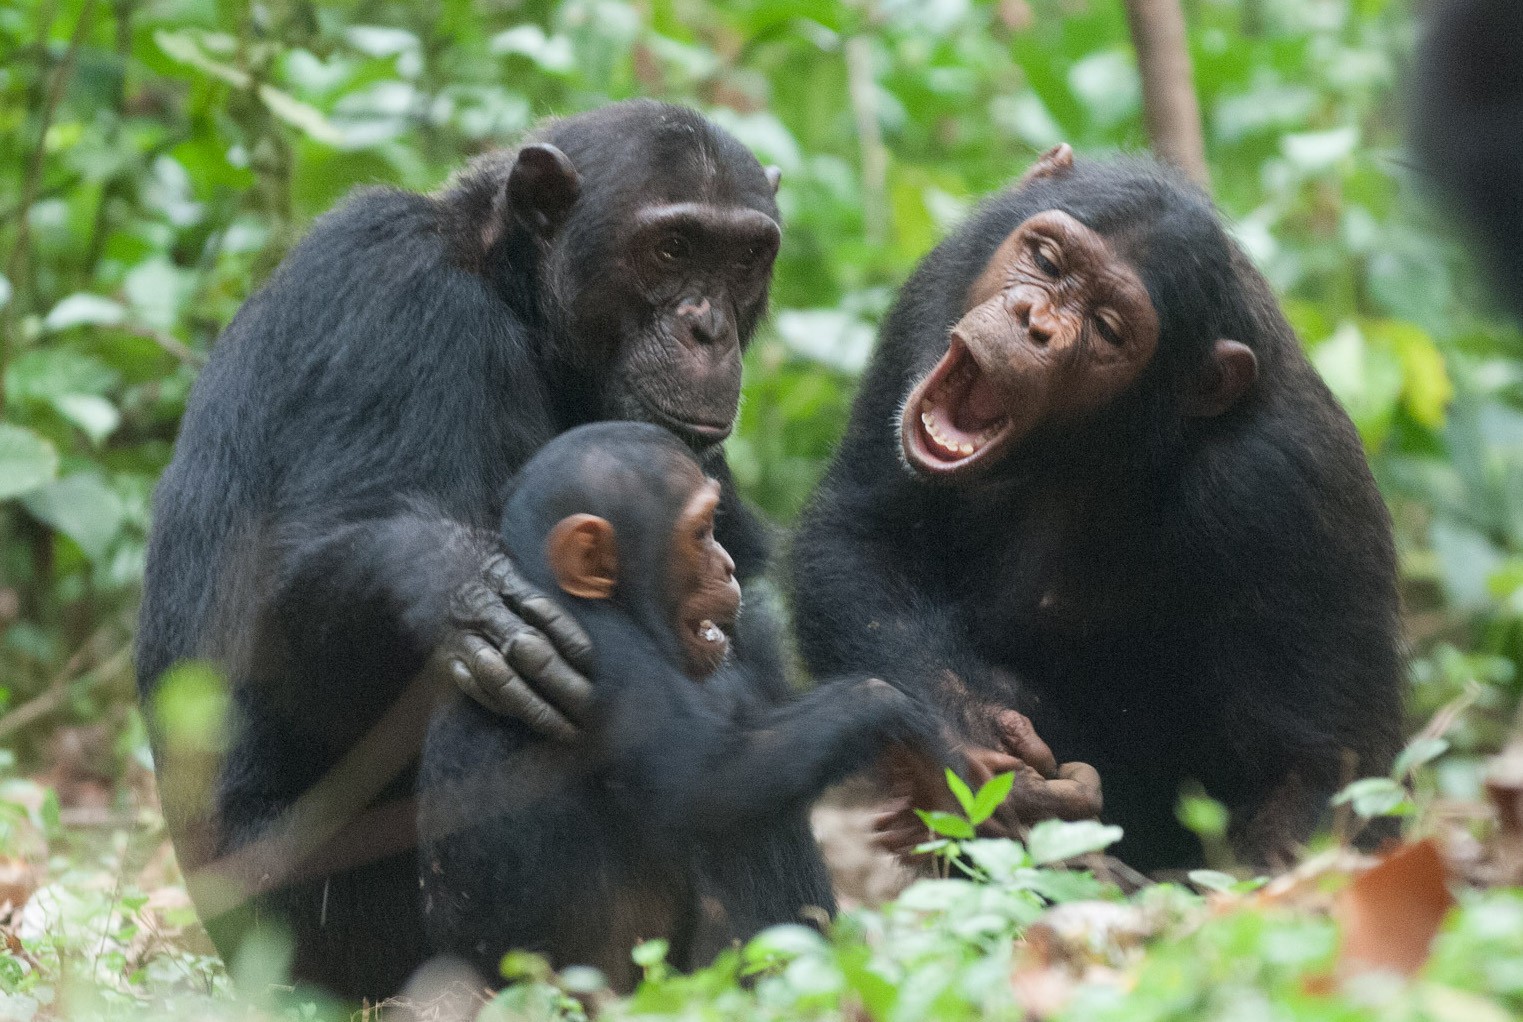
774	177
584	556
542	186
1230	370
1057	160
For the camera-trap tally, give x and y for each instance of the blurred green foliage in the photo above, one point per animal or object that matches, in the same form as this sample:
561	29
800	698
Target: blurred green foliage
157	157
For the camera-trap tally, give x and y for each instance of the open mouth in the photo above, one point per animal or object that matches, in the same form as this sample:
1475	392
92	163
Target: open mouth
955	419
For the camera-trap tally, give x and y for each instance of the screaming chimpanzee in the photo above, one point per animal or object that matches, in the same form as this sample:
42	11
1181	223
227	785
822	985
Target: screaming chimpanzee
1091	477
326	532
581	850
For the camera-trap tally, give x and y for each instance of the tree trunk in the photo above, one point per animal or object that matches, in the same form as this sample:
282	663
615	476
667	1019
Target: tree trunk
1169	105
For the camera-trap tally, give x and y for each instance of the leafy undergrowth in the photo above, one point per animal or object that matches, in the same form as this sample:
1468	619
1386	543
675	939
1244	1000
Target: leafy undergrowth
98	925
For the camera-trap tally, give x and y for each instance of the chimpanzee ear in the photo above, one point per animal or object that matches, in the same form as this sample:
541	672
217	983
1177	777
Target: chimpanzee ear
1230	370
584	556
774	177
542	186
1057	160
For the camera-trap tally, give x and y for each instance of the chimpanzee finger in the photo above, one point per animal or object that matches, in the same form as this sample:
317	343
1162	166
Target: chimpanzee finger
536	660
505	692
1020	738
537	609
1079	787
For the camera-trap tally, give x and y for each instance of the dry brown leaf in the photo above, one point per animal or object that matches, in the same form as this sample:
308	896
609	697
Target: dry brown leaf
1391	912
18	879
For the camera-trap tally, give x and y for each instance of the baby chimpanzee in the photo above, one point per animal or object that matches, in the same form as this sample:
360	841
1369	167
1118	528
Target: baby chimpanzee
579	851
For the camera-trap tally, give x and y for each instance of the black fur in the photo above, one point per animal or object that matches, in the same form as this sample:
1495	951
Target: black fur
681	815
1168	598
1468	108
338	474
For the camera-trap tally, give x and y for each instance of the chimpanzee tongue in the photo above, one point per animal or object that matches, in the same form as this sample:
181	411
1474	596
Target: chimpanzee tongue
982	405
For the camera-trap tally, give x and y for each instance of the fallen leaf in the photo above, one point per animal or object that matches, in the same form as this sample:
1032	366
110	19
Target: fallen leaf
1391	912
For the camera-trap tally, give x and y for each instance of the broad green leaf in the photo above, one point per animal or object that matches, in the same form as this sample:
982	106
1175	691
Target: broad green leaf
1316	151
81	507
27	461
191	705
1056	840
999	857
1420	752
96	417
553	53
84	310
948	824
46	374
1374	796
650	953
300	115
1202	815
961	792
990	796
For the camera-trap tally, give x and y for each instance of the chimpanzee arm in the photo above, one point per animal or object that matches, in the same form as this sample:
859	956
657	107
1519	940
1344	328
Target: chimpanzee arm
690	766
373	597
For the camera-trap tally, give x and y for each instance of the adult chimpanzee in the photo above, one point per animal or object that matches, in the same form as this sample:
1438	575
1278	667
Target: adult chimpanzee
1091	477
327	527
580	850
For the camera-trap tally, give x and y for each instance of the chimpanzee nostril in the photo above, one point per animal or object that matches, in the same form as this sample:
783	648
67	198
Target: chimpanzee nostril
706	321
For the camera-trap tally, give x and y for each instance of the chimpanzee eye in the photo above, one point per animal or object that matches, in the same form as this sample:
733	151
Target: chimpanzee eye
1107	330
1043	262
673	247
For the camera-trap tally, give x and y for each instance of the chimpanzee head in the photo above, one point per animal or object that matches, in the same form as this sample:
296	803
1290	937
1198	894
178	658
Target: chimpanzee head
652	233
1093	305
621	512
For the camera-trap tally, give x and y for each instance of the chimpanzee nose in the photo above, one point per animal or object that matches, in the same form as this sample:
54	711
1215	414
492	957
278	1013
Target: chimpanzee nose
1034	321
705	320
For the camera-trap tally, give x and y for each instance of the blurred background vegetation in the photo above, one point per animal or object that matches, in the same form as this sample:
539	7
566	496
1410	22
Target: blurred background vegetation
157	157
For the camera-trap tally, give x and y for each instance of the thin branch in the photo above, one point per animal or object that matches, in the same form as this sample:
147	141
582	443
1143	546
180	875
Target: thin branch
864	107
1169	105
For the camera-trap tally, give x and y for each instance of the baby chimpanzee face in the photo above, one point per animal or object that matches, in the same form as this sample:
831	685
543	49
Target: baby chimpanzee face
703	582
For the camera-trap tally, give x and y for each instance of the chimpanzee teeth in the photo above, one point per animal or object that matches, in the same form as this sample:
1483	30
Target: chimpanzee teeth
946	443
708	631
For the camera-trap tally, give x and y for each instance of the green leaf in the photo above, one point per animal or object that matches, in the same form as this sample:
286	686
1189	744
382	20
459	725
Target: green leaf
96	417
81	507
650	953
27	461
83	310
1056	840
300	115
961	792
990	796
1202	816
1420	752
1375	796
1213	880
947	824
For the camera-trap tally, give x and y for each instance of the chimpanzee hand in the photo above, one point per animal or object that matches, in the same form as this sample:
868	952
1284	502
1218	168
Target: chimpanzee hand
515	652
1042	789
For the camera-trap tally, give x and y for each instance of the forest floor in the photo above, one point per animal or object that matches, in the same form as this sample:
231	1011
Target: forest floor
95	922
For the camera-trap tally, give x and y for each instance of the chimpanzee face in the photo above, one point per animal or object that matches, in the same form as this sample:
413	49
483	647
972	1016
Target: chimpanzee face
703	583
696	278
1058	325
655	261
